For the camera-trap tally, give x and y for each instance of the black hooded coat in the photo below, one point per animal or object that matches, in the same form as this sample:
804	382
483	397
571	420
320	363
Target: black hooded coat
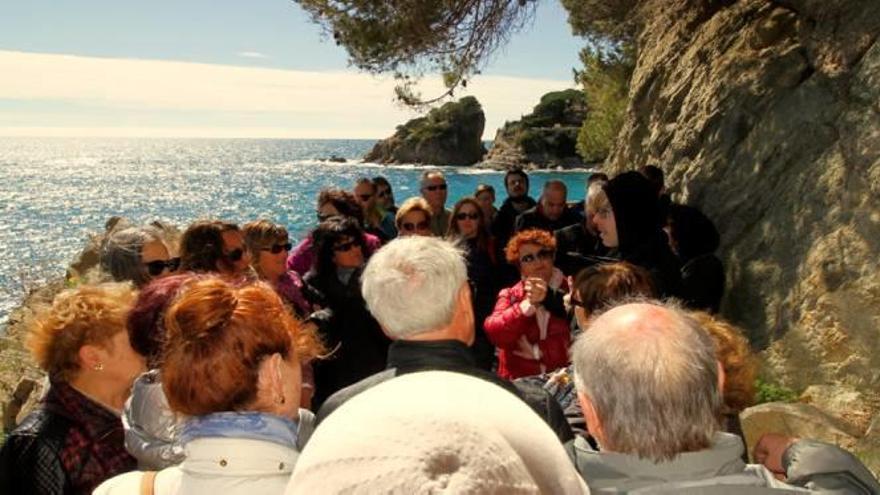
641	240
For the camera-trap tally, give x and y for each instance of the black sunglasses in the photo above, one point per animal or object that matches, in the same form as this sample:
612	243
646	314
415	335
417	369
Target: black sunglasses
277	248
365	197
234	255
462	215
409	226
346	246
383	194
155	268
575	302
441	187
544	254
322	218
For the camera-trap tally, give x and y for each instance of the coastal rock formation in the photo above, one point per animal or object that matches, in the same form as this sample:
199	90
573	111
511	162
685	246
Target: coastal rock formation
766	115
545	138
449	135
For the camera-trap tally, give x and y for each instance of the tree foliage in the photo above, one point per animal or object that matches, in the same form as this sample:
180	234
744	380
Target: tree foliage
605	79
410	38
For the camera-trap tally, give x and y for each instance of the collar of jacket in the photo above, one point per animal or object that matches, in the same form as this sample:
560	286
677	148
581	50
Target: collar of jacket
250	425
626	471
66	401
431	354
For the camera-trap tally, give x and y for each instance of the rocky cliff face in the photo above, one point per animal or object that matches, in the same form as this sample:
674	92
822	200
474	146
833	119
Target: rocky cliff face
766	114
545	138
449	135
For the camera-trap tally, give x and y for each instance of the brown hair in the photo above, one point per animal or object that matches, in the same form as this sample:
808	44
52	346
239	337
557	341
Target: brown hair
261	234
201	246
86	315
217	335
532	236
482	229
599	285
735	355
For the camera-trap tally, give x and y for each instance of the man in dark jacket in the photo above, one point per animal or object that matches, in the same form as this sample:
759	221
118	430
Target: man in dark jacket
650	387
516	181
416	287
576	244
550	214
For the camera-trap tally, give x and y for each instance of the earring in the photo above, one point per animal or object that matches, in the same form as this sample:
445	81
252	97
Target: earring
99	367
281	400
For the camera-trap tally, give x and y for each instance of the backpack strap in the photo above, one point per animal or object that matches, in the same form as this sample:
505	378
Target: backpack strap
148	483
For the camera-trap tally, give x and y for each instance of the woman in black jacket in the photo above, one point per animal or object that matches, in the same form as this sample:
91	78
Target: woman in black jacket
468	226
694	238
335	285
626	218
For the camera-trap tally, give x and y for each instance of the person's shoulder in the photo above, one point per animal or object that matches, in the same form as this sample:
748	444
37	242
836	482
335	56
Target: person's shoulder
166	481
343	395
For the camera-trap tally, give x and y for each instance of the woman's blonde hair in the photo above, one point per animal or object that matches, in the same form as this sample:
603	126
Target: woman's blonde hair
86	315
415	203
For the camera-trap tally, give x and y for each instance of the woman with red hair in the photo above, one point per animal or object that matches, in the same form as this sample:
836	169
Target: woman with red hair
529	324
231	365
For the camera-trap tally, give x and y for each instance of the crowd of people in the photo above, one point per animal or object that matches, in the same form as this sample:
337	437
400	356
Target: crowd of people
544	346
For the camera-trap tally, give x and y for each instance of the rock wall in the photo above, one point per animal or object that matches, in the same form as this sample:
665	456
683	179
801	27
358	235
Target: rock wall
766	114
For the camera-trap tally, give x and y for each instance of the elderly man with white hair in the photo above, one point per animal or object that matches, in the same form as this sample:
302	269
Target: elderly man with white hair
648	384
417	289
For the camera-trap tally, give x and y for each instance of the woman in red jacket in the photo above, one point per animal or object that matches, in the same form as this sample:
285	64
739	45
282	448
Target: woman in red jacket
529	325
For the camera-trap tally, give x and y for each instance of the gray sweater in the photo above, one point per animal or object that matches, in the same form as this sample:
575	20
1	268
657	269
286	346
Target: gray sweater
811	466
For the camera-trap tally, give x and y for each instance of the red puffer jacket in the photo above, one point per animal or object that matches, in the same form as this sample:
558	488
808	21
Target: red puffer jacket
523	349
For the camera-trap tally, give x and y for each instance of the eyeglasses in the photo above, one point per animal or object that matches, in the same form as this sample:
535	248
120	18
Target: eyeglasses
383	193
235	254
365	197
277	248
433	188
604	212
409	226
155	268
347	246
470	216
544	254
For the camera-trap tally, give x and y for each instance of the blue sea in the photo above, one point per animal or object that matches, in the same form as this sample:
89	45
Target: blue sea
55	191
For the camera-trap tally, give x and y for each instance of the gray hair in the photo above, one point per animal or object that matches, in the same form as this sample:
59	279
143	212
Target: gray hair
411	284
428	174
654	383
121	253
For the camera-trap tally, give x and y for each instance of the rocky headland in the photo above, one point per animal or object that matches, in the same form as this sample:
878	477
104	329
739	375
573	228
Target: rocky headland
449	135
545	138
766	115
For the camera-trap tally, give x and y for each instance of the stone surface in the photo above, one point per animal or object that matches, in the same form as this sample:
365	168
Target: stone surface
449	135
847	404
545	138
766	115
796	420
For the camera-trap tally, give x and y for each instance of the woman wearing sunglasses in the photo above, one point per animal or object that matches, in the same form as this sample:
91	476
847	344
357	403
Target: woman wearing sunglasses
137	255
213	246
335	285
376	220
529	324
270	245
414	218
467	226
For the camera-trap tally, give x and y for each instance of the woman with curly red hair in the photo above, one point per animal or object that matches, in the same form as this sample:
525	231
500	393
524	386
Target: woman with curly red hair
529	324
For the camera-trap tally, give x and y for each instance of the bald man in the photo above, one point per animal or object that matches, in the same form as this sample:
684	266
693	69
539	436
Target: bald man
551	212
649	385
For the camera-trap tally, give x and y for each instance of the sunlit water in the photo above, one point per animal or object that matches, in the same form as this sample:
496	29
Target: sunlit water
54	192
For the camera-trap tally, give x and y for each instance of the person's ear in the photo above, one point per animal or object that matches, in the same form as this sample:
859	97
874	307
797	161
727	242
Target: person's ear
466	313
270	378
594	423
722	378
92	357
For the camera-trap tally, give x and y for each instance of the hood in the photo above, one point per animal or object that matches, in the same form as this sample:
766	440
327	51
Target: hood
634	201
151	428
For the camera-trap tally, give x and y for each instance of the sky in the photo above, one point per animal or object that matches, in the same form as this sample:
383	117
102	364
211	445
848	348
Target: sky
225	68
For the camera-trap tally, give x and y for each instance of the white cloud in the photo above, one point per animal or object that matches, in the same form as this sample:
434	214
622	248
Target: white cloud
181	94
252	55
